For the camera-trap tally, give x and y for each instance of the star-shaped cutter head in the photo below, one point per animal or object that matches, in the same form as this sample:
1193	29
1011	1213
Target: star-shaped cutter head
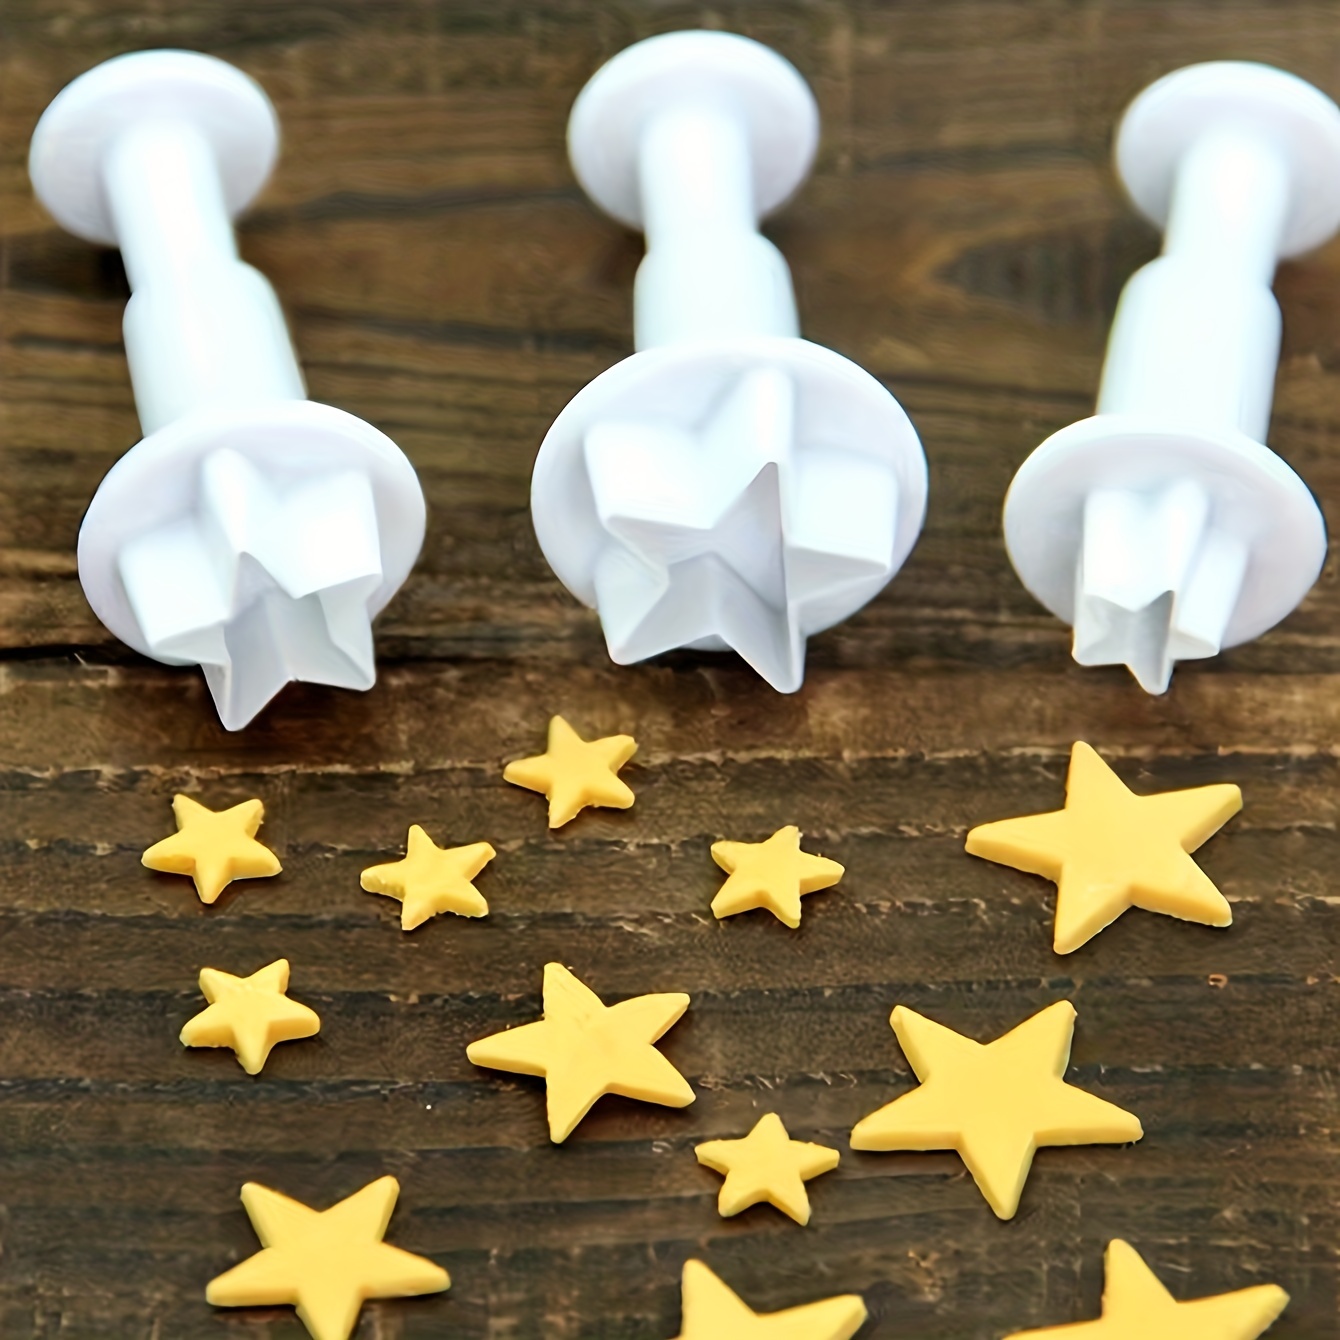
739	494
258	543
1157	543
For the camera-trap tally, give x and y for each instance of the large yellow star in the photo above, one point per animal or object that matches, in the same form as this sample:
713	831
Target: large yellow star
713	1311
327	1263
214	847
995	1103
1110	849
586	1049
766	1165
771	874
249	1014
1137	1307
575	773
431	880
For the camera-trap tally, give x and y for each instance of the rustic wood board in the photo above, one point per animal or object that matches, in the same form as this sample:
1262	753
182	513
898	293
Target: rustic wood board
962	237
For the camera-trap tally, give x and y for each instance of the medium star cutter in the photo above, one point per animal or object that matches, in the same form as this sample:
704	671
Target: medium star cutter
714	1311
730	486
430	880
995	1103
585	1049
766	1165
1110	849
249	1014
214	847
326	1263
1136	1306
251	531
772	874
574	773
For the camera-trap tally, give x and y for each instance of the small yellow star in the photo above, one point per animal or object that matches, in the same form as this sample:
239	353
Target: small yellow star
214	847
326	1263
249	1014
586	1049
575	773
713	1311
766	1165
1137	1307
1110	849
771	874
995	1103
431	879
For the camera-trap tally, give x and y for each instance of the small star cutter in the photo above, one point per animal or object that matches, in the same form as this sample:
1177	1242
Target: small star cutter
430	880
772	875
995	1102
1110	849
249	1014
1136	1306
325	1263
713	1310
766	1165
575	773
586	1049
214	847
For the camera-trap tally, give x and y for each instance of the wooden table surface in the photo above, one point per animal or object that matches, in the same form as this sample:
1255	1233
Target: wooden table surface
963	238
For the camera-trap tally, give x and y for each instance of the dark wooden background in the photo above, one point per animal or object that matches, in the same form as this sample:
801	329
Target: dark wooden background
962	237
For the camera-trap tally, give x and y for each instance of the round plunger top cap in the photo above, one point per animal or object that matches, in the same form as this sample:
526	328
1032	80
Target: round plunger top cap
1172	113
605	128
228	107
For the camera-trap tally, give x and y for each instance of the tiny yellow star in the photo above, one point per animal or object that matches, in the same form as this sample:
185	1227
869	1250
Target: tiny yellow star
713	1311
1110	849
586	1049
214	847
431	879
249	1014
771	874
766	1165
1137	1307
575	773
993	1102
326	1263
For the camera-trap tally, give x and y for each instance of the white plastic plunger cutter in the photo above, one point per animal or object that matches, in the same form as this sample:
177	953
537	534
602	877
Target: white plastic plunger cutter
1162	528
729	485
252	532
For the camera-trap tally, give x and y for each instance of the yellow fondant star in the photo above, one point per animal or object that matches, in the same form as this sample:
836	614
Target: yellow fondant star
431	879
1110	849
1137	1307
575	773
772	874
326	1263
586	1049
714	1311
766	1165
214	847
995	1103
249	1014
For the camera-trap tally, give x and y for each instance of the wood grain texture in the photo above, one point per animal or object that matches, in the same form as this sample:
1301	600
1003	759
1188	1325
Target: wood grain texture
962	238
